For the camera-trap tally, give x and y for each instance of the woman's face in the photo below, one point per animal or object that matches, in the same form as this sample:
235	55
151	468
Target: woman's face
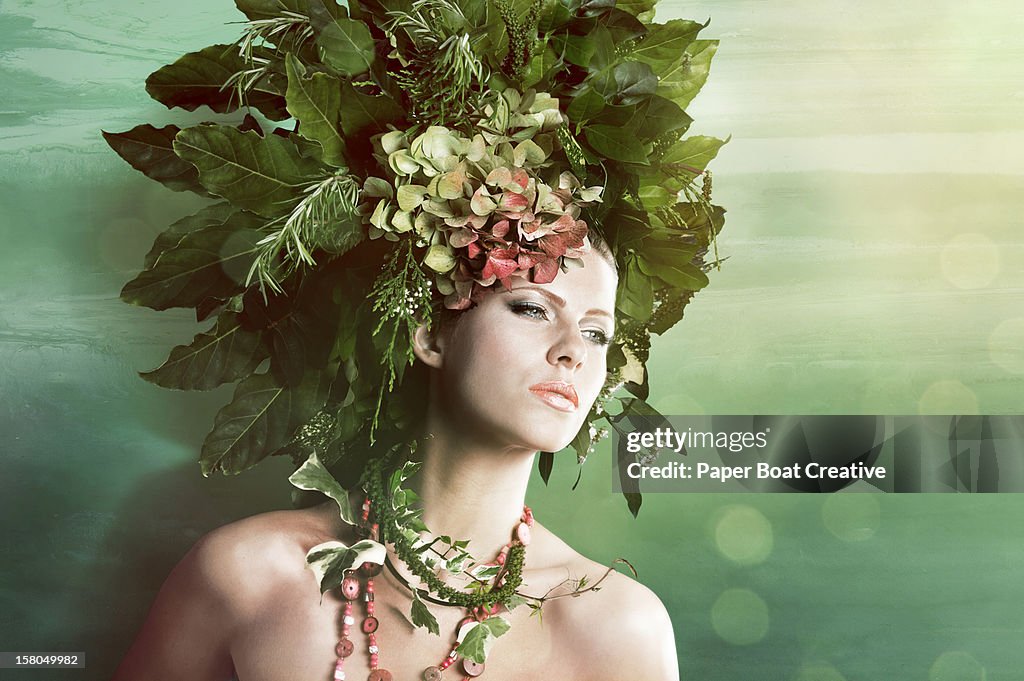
524	367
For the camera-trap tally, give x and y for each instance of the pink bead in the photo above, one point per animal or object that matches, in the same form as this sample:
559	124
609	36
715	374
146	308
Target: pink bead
501	559
523	532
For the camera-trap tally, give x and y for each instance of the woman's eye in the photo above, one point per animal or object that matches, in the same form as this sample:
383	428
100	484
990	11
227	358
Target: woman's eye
598	336
530	310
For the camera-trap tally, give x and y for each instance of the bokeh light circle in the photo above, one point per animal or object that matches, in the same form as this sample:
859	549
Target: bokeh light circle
743	535
956	665
819	671
740	617
1006	345
948	397
851	517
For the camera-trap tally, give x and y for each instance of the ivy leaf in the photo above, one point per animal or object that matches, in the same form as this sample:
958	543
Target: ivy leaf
331	560
209	216
262	174
422	617
197	79
664	43
366	115
618	144
683	80
344	44
316	102
261	418
696	152
211	262
150	150
313	476
224	354
476	638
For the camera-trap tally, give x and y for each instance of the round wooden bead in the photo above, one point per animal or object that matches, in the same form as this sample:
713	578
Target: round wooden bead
380	675
471	667
344	648
432	674
350	588
370	625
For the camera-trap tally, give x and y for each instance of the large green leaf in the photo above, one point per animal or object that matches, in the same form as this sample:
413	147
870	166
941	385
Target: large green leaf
345	45
479	637
657	116
693	152
150	150
209	216
264	175
211	262
366	115
632	82
635	294
269	9
224	354
638	8
684	79
619	144
665	43
584	106
261	418
681	275
198	78
316	103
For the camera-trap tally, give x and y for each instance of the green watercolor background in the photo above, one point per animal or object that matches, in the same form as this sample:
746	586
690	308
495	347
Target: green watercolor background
874	187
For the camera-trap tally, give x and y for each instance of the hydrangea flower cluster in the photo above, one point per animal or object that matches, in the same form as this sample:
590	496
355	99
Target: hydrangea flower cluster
483	205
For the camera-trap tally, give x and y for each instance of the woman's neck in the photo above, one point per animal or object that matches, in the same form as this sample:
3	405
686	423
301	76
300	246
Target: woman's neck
470	490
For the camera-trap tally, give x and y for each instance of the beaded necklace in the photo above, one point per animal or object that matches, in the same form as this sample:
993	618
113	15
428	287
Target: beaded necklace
479	605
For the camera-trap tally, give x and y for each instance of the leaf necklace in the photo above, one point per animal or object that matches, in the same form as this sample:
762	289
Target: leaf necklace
475	632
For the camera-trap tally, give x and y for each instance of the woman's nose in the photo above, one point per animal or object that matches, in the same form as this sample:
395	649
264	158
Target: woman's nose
569	348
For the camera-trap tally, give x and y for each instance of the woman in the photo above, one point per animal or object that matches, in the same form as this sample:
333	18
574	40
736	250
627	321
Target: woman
510	377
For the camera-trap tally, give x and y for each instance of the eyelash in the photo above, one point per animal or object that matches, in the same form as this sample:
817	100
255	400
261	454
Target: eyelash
528	309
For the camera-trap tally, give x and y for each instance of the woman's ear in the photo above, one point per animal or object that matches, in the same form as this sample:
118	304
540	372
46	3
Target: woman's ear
428	346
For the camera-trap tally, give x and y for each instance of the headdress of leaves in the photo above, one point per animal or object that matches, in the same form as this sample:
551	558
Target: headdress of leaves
394	150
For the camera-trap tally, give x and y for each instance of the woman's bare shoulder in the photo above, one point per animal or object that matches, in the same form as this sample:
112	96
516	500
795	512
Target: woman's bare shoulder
613	612
251	558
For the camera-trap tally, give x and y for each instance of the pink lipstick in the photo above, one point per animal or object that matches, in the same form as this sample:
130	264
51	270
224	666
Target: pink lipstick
558	394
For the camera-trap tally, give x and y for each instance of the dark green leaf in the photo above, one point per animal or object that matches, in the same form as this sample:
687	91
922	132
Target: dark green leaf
633	501
665	43
635	294
657	116
224	354
345	44
623	25
636	7
270	9
545	464
261	418
634	82
422	617
575	49
150	150
682	275
212	262
618	144
684	79
584	106
262	174
197	79
312	475
207	217
593	8
316	102
693	152
366	115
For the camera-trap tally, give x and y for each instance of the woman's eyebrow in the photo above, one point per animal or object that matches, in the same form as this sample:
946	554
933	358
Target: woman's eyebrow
554	297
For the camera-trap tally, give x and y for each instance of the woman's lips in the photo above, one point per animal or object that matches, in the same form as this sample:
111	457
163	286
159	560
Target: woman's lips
557	394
